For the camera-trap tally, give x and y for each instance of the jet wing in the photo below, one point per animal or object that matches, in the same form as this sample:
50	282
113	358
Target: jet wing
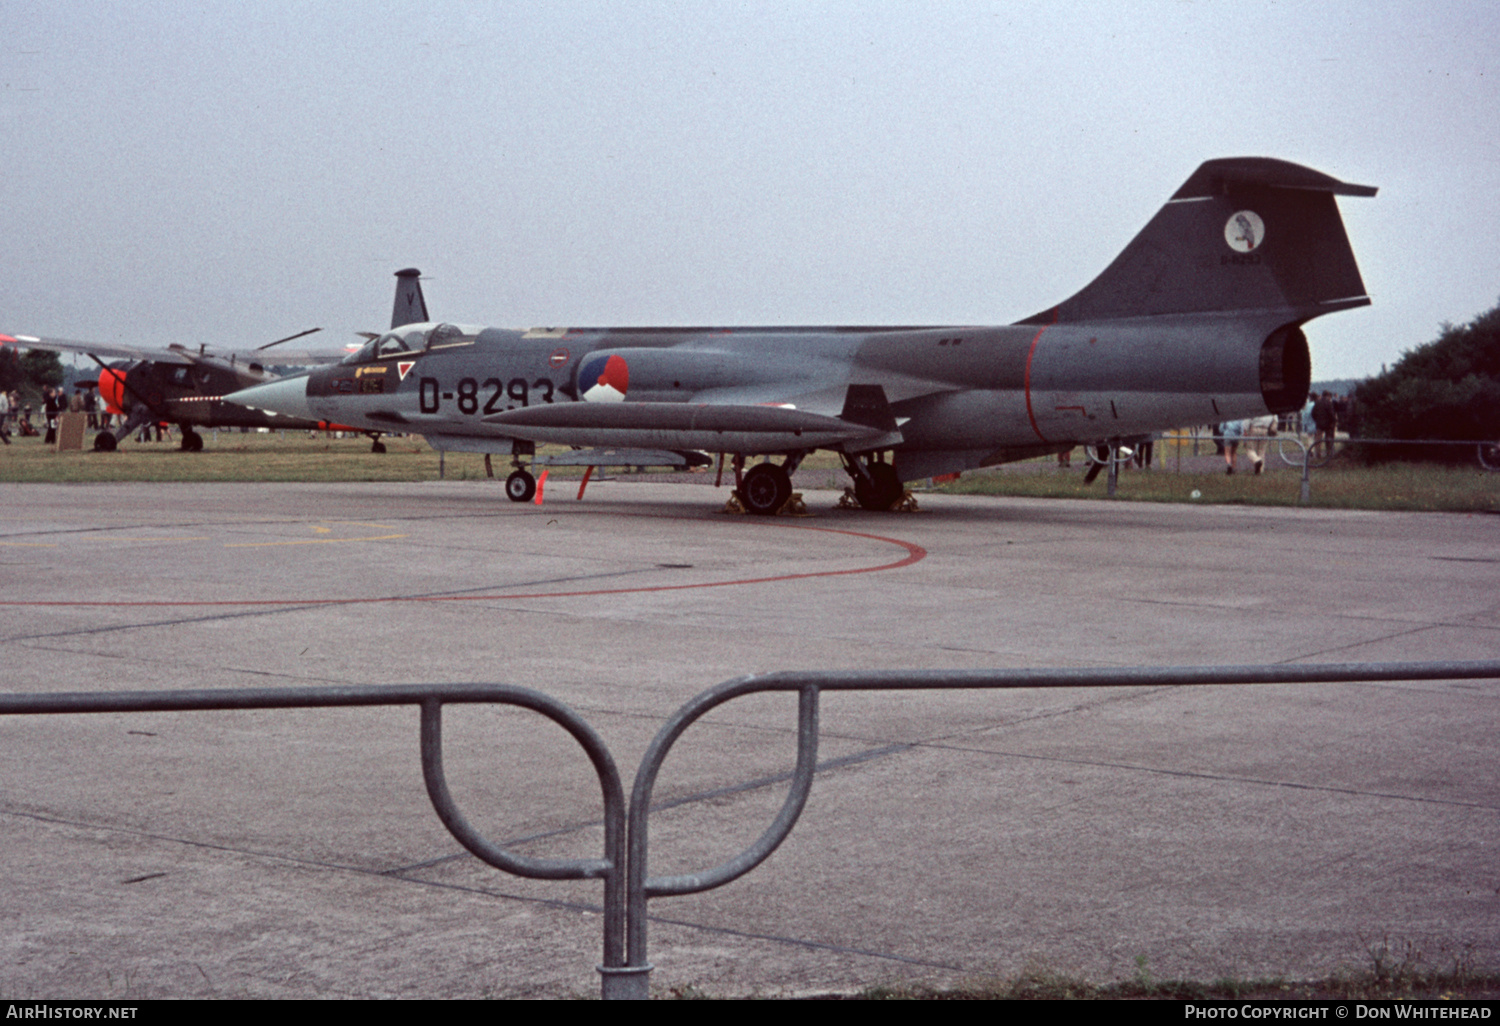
711	427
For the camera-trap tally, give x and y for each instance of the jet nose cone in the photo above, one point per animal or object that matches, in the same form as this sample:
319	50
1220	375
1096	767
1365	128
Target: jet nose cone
286	397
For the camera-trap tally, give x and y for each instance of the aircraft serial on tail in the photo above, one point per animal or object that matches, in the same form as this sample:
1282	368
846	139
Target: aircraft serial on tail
1197	321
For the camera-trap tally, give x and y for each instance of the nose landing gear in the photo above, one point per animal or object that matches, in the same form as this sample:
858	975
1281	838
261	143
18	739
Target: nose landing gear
520	486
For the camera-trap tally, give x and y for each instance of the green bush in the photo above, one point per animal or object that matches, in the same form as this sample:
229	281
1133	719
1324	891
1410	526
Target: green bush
1445	389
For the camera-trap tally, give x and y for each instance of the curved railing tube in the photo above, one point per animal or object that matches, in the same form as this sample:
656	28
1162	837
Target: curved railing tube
617	979
802	777
625	973
641	888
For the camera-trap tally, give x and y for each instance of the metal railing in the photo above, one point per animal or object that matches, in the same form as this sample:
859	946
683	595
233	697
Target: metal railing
1295	450
625	970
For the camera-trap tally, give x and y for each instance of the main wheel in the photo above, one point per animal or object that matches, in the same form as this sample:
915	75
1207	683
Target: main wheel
377	447
766	489
520	487
104	441
192	441
882	491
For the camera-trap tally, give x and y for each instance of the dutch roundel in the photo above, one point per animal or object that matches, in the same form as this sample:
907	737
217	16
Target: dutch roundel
603	379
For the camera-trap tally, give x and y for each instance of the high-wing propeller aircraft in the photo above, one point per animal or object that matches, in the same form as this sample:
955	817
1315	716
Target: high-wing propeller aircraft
1198	320
177	385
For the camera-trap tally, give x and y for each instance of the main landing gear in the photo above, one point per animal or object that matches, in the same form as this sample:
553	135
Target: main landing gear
876	484
765	488
192	441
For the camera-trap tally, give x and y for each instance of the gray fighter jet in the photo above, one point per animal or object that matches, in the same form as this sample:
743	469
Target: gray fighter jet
1197	321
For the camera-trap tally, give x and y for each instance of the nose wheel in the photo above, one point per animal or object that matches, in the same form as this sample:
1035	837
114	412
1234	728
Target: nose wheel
520	486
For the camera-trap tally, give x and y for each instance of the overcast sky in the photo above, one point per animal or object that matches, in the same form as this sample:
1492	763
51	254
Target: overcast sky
235	172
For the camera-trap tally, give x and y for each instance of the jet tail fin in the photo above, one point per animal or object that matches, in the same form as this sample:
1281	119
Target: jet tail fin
410	307
1242	233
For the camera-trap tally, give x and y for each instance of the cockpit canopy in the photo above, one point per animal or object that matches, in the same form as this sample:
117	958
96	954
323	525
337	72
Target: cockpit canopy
413	340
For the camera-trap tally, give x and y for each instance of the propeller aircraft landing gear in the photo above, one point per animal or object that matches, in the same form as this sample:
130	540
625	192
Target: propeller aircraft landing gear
520	486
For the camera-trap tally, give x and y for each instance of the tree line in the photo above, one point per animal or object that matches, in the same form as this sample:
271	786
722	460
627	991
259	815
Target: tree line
1448	388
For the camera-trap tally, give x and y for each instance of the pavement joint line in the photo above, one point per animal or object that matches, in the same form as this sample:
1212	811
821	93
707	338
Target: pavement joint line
289	607
719	792
914	554
703	927
401	876
1272	610
297	678
181	621
1393	635
942	744
1224	777
295	860
812	945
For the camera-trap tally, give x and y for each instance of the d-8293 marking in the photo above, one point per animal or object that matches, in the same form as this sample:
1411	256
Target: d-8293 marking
469	391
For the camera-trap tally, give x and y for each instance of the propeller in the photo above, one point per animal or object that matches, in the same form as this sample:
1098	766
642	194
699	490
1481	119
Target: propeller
278	342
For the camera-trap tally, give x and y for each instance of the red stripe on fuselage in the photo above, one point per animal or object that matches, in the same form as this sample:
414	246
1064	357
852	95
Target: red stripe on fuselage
1030	415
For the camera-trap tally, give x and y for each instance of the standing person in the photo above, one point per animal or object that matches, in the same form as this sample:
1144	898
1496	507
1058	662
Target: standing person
50	407
1145	449
1257	431
1325	421
1234	430
4	416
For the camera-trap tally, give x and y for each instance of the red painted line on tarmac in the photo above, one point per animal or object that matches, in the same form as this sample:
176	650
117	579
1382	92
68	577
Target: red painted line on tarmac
914	553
